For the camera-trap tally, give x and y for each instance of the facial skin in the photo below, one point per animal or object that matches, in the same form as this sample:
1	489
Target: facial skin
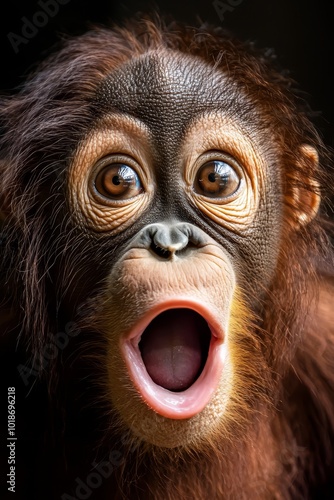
180	243
156	108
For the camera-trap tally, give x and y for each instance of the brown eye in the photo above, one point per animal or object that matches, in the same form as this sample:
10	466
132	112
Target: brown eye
118	181
216	179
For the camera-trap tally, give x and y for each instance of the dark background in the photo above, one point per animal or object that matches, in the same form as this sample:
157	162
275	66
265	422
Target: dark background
300	32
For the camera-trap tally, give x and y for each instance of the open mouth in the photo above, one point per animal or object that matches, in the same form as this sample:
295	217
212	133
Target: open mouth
174	348
175	359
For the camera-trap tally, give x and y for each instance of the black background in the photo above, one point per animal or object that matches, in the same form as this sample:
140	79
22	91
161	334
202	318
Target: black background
300	32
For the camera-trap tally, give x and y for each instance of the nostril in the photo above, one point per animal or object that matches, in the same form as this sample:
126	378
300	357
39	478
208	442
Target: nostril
161	252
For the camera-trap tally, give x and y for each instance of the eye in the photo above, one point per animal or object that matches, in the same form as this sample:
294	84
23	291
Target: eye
118	181
216	179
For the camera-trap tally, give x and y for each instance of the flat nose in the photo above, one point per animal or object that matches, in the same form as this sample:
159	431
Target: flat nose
166	239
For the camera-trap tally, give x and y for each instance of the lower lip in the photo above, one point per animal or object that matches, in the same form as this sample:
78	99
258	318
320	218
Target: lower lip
169	404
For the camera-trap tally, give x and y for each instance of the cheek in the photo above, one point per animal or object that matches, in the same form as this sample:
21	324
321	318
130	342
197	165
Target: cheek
257	254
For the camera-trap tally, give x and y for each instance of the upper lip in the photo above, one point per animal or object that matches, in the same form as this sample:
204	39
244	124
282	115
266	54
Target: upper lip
176	303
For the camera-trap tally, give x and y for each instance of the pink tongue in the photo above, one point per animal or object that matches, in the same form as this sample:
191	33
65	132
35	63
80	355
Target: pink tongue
171	348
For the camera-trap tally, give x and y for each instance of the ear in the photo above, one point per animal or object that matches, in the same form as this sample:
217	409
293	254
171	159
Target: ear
304	194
